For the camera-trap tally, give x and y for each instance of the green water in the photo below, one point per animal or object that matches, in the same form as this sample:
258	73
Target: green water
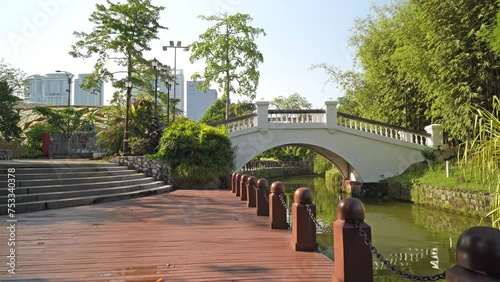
416	239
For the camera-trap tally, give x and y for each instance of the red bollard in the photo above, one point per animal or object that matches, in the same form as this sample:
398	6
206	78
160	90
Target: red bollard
232	186
243	187
303	227
261	203
237	184
251	186
353	259
478	256
277	212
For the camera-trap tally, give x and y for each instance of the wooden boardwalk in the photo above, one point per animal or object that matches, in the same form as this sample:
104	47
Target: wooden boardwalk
185	235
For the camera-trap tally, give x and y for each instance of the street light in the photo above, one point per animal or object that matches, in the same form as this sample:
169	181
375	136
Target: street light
156	66
70	78
178	45
168	83
128	84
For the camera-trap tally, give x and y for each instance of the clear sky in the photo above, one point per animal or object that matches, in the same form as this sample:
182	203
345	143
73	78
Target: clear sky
36	36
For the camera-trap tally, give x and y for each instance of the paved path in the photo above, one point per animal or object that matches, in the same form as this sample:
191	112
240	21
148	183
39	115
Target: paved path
180	236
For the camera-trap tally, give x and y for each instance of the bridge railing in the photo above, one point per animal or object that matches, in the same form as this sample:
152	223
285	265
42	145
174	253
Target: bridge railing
383	129
296	116
332	120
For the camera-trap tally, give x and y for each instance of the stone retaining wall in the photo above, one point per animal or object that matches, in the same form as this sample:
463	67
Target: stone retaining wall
469	202
152	168
5	154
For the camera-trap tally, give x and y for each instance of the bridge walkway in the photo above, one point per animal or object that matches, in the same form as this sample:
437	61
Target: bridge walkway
185	235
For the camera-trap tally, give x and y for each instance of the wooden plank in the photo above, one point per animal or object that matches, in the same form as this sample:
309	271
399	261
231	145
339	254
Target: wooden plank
186	235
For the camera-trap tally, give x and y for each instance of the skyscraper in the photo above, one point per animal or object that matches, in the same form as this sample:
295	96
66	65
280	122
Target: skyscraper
87	98
179	91
197	102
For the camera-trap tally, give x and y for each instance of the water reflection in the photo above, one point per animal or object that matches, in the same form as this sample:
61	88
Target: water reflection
416	239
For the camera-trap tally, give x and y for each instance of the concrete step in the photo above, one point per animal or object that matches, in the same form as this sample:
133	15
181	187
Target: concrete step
106	183
80	193
70	174
18	164
55	169
78	201
68	181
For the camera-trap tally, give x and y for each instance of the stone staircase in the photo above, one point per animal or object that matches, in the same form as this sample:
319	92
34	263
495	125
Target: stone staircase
51	184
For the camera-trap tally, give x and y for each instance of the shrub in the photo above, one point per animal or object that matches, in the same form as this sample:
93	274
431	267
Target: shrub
196	153
34	140
321	164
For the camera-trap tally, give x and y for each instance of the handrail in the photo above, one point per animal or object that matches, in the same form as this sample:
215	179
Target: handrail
408	130
233	119
300	111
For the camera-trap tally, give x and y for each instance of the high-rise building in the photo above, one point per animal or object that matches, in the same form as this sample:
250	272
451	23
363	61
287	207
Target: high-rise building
87	98
52	89
178	91
197	102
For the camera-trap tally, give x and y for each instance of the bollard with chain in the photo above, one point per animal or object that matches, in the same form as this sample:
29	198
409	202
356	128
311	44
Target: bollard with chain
243	187
251	191
237	184
262	202
303	227
277	211
353	260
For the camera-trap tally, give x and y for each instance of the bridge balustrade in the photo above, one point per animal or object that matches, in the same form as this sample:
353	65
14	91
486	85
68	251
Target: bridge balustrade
478	248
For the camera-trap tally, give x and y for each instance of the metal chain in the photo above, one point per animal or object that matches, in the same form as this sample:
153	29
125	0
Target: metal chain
318	224
266	197
288	210
395	269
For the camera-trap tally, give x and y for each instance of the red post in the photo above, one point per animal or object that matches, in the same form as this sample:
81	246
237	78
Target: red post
277	212
237	184
303	227
353	259
251	186
261	203
231	183
45	144
478	256
243	187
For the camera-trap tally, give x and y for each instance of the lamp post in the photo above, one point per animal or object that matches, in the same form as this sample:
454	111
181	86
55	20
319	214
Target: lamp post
165	48
128	84
70	79
156	68
168	83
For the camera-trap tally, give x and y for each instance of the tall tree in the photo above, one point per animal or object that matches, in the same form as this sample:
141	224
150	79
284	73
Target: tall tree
292	102
231	55
121	34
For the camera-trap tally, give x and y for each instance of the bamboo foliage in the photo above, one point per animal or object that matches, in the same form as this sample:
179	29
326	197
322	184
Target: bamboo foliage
479	160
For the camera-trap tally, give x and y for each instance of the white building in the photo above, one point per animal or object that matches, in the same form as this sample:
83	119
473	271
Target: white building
52	89
197	102
87	98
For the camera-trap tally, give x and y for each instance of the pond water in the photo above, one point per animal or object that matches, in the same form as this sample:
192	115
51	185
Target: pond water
416	239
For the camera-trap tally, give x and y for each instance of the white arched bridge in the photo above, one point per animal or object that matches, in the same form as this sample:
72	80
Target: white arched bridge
363	150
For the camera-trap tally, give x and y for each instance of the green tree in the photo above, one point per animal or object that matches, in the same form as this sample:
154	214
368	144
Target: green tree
9	116
121	35
231	55
422	62
292	102
217	110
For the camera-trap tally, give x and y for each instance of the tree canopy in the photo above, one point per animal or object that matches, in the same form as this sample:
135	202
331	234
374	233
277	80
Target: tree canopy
121	35
9	117
231	55
421	62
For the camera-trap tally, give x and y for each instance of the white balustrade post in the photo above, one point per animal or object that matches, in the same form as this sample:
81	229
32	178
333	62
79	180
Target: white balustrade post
262	115
436	139
331	115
